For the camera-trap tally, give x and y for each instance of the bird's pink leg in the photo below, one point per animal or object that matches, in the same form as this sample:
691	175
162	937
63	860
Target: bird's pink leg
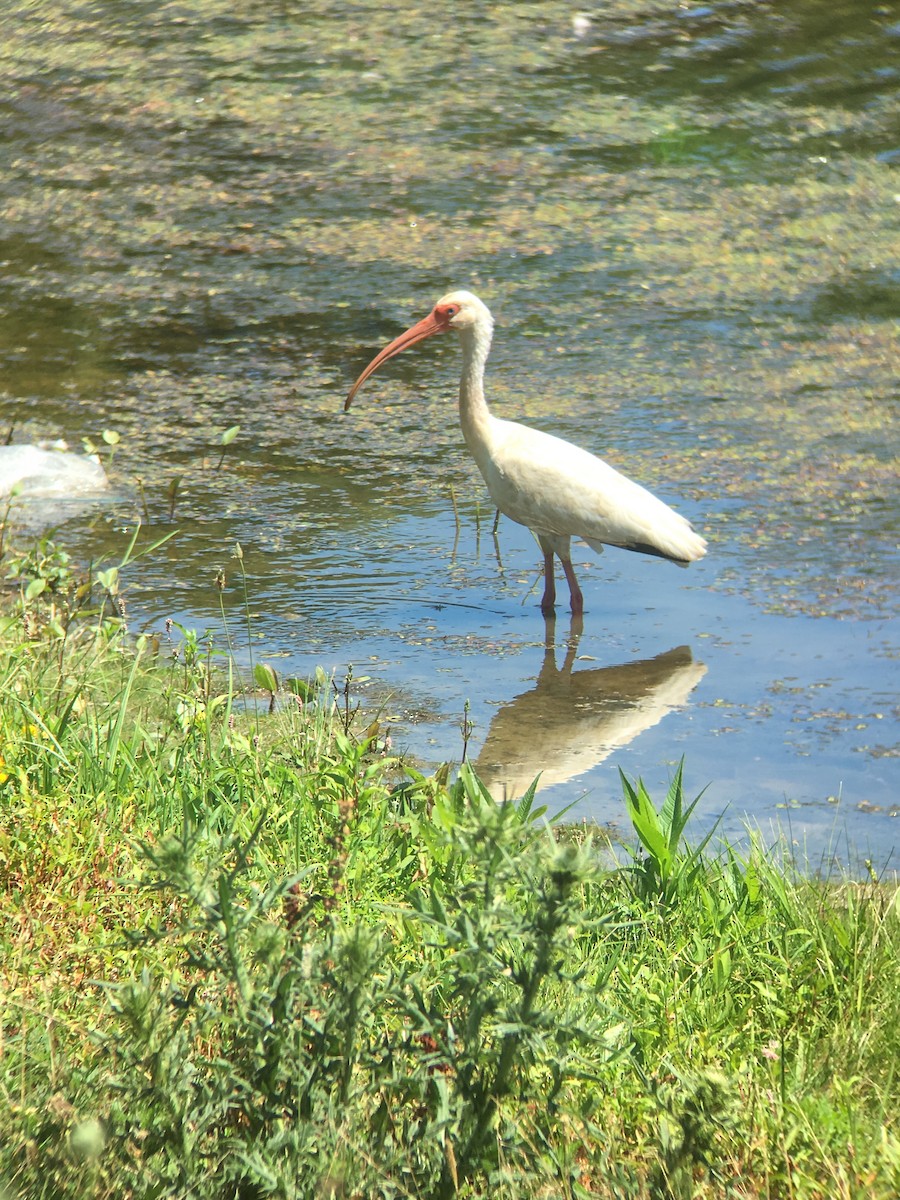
548	600
574	589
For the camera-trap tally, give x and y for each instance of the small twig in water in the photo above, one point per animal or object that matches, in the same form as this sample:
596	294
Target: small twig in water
143	496
467	725
172	493
455	509
348	713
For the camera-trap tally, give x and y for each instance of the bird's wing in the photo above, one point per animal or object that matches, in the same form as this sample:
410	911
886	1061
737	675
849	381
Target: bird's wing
556	488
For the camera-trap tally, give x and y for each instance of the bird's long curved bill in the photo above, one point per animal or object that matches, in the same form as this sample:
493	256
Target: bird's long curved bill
422	329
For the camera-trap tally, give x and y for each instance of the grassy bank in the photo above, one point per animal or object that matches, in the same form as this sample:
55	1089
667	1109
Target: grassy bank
245	955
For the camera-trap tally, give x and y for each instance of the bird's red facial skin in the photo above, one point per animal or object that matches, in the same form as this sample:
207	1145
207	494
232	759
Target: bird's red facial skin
444	313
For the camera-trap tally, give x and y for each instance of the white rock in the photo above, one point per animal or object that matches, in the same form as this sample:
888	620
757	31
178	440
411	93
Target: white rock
50	473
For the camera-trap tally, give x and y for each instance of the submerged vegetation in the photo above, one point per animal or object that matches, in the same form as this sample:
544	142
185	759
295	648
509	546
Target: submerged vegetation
249	954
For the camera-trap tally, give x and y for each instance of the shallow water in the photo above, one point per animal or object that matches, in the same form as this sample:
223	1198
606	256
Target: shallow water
685	223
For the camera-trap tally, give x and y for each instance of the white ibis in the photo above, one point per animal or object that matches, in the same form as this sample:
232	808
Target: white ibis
557	490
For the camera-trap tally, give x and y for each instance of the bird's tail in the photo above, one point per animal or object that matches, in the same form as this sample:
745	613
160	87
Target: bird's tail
683	547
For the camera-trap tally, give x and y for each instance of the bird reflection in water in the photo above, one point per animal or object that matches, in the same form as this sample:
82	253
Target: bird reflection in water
572	720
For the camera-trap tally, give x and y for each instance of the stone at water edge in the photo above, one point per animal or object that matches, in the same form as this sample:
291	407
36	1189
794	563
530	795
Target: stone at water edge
50	472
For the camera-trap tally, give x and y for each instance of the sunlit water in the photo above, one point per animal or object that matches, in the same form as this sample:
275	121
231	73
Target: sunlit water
685	223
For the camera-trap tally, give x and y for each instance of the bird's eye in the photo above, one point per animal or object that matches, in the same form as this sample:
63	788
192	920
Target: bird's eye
451	310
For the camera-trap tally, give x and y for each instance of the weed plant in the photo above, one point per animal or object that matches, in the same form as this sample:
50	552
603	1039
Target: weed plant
247	955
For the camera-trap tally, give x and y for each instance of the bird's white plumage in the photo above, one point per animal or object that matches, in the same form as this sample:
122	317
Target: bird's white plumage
560	490
557	490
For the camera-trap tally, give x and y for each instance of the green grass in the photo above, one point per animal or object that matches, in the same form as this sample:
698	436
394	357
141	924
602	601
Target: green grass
248	956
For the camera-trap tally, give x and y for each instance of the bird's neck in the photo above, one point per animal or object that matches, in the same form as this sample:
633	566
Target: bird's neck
474	414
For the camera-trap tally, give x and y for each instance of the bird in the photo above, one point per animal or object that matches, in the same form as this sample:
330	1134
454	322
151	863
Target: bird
554	488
